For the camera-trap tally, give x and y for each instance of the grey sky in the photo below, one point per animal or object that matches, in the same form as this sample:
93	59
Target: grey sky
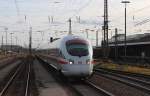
91	11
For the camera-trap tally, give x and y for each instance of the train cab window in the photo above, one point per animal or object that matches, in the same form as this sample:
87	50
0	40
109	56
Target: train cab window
77	48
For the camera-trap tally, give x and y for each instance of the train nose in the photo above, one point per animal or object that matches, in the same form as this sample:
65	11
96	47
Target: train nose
77	69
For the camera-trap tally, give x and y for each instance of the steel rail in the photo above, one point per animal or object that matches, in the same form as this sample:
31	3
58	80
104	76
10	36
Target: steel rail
126	73
121	80
10	81
124	76
106	93
72	88
28	79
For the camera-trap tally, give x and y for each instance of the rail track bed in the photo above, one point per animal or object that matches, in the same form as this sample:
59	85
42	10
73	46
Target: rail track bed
7	71
7	61
87	88
129	74
18	82
135	78
121	84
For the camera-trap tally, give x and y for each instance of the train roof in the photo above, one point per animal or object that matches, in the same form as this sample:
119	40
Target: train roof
56	43
71	36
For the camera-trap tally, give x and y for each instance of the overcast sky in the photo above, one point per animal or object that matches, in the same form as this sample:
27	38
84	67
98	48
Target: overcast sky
19	15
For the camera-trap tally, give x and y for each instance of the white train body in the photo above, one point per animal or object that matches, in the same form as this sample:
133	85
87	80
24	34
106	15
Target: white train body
74	56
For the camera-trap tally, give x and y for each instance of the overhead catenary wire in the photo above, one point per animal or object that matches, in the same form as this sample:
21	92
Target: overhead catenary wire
136	21
133	12
81	8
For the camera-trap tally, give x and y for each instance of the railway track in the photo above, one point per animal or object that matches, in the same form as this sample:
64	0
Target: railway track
5	63
87	88
27	81
125	79
141	76
4	90
81	88
7	71
103	91
19	81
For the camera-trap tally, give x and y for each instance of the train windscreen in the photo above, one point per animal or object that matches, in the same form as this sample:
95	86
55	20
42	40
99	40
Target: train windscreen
77	48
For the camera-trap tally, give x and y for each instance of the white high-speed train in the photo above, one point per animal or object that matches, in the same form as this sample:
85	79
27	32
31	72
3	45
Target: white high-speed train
72	55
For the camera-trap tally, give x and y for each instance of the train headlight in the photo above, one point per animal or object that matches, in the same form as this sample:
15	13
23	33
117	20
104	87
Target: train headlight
71	62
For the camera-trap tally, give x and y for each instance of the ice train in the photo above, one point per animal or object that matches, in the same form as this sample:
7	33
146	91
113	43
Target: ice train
72	55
